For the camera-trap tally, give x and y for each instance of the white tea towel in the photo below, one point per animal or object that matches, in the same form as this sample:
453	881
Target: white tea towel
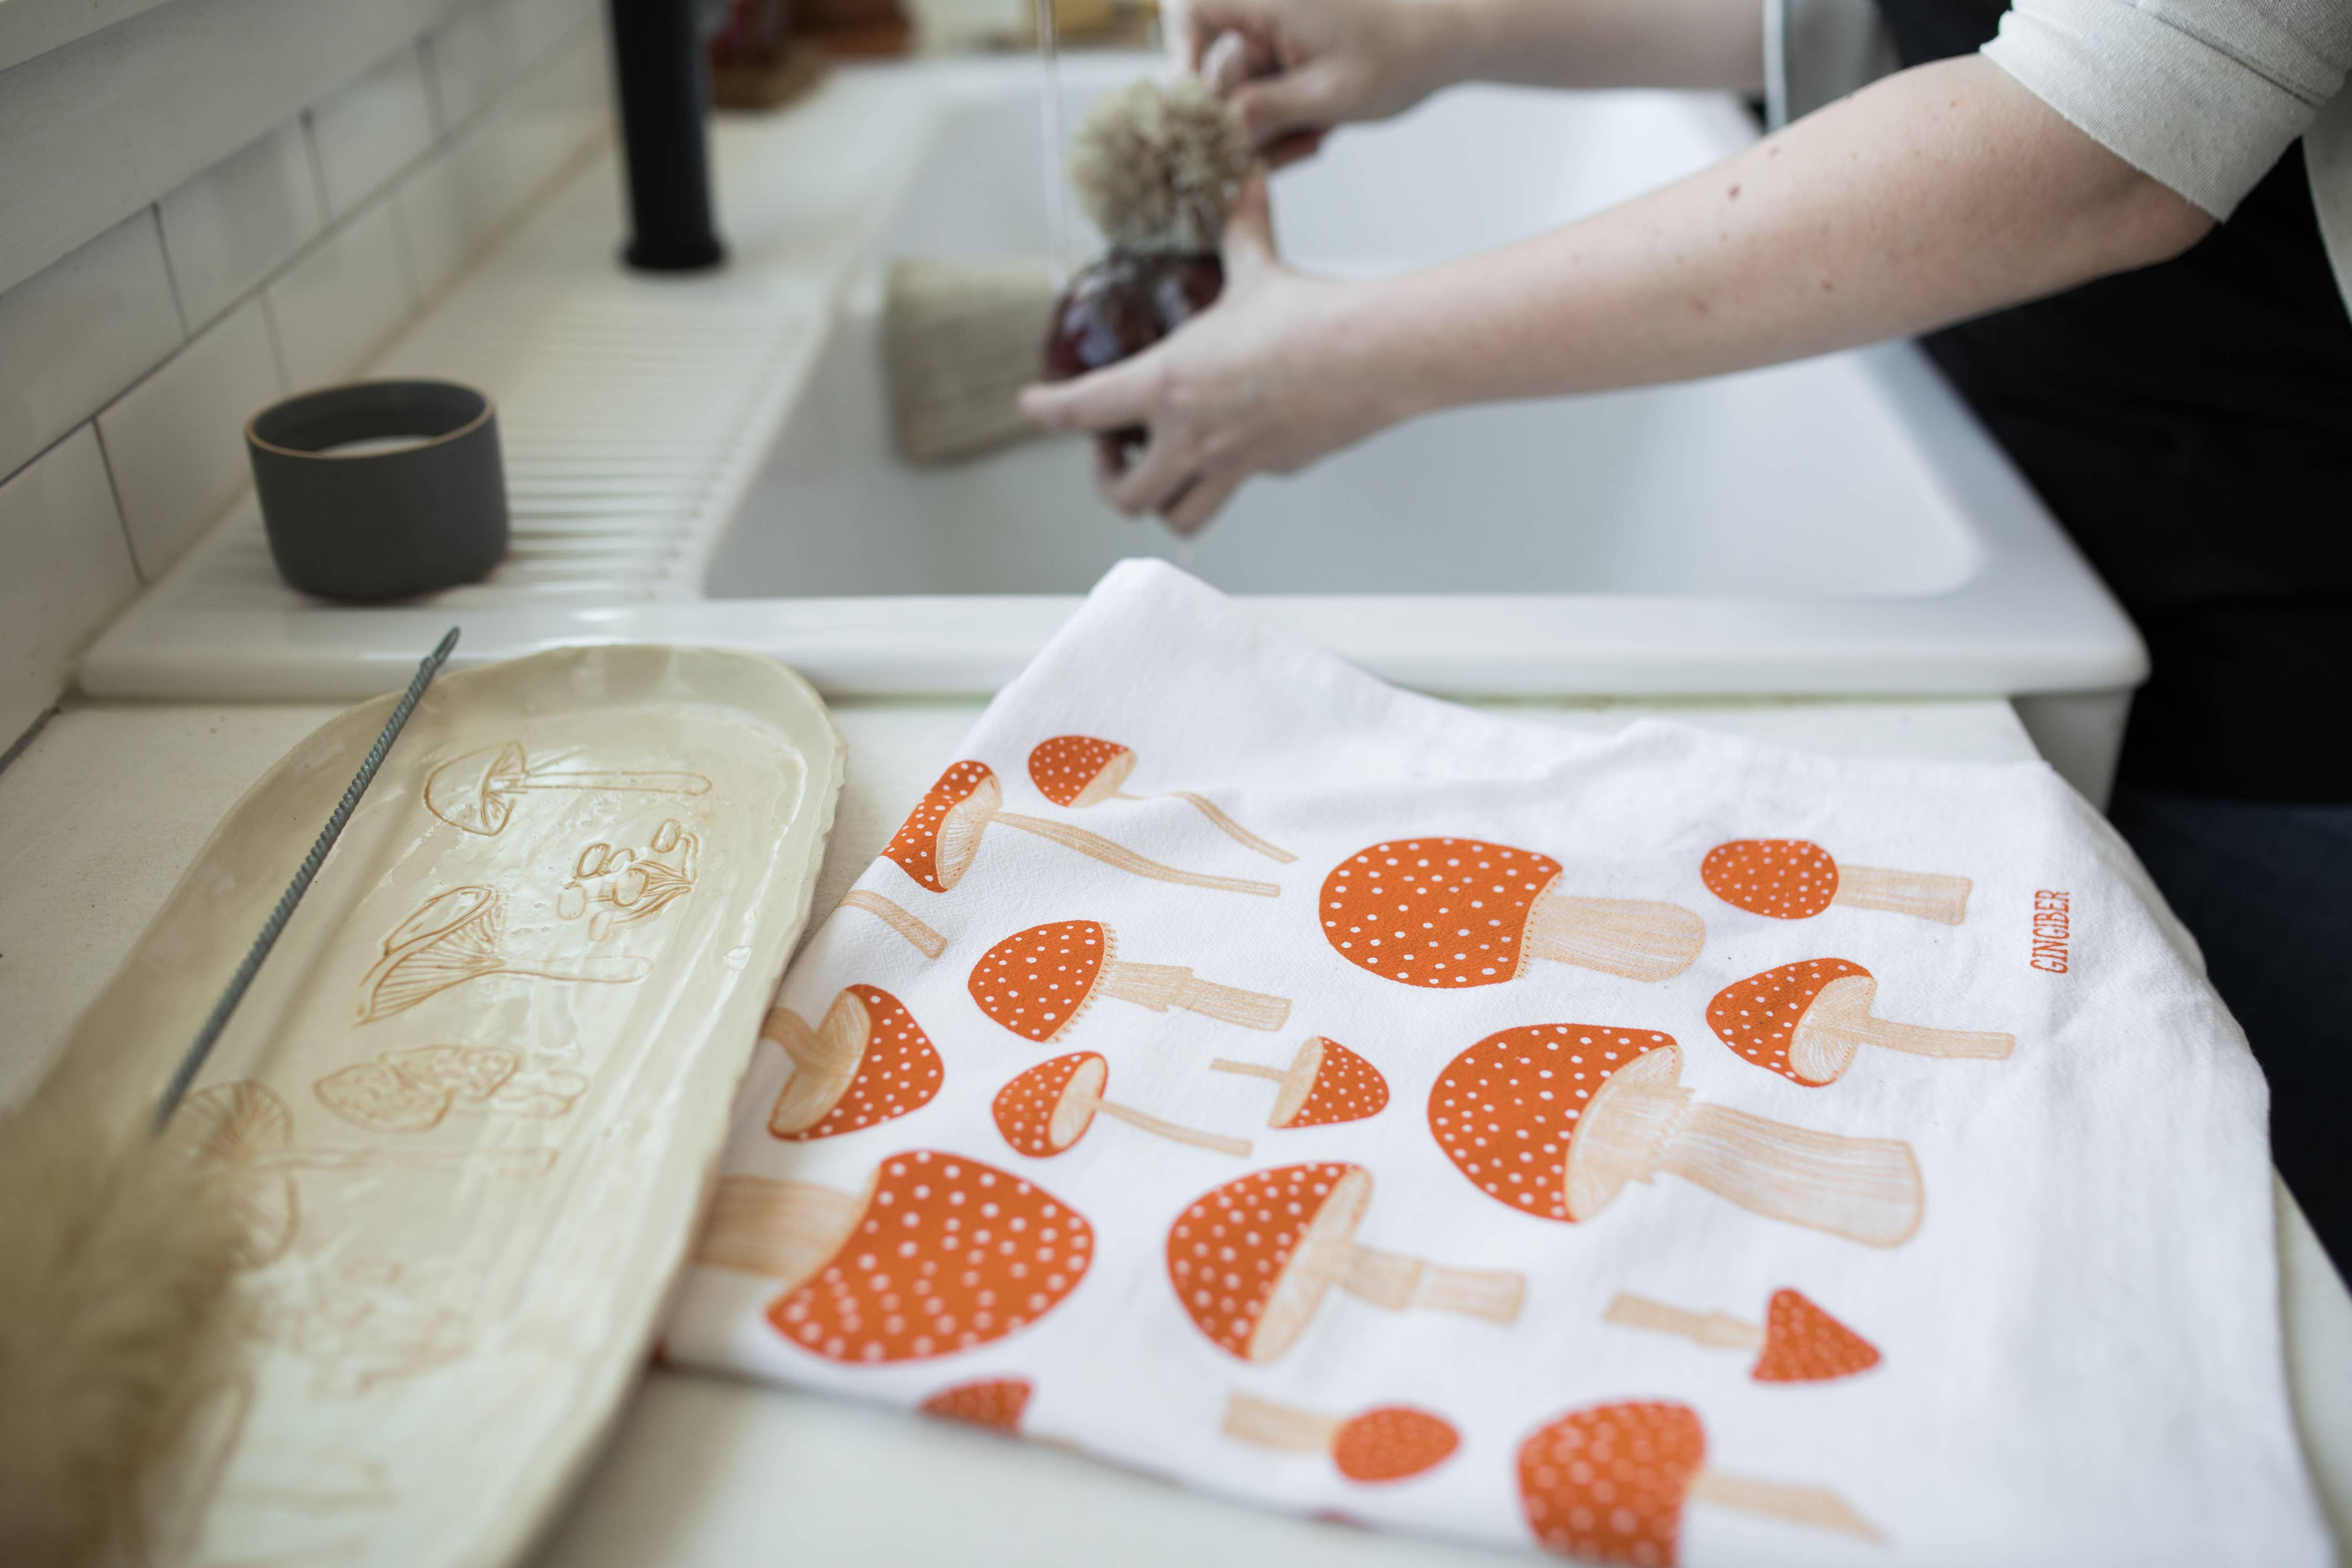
1649	1147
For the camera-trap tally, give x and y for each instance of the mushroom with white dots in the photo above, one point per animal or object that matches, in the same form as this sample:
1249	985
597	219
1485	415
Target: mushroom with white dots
1252	1261
1796	1342
1387	1443
1806	1022
1046	1110
868	1062
1450	913
1040	981
1555	1120
939	1254
1608	1483
1324	1083
1078	771
941	838
1796	879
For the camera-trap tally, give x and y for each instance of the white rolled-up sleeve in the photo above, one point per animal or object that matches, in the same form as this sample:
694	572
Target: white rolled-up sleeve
2200	95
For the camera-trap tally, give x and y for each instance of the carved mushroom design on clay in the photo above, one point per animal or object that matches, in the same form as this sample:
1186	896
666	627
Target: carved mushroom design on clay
1252	1261
1392	1443
1806	1022
412	1090
1324	1082
460	935
244	1132
478	793
995	1403
1078	771
1796	1342
1608	1484
1553	1120
1449	913
940	839
939	1254
1046	1110
866	1062
1795	879
1037	982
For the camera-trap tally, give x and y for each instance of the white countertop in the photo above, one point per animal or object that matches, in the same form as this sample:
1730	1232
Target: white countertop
107	806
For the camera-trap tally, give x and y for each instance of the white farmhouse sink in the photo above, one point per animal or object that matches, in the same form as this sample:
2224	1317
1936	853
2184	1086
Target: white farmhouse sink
707	459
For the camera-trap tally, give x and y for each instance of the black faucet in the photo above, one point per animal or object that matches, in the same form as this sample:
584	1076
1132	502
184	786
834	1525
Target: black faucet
664	92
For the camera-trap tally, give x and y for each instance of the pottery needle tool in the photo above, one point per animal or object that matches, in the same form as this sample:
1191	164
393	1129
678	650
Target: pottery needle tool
271	928
118	1248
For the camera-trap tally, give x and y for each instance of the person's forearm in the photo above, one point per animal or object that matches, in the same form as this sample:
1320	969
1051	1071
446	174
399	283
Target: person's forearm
1605	42
1937	194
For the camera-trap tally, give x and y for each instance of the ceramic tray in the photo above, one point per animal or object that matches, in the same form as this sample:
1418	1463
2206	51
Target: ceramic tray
478	1095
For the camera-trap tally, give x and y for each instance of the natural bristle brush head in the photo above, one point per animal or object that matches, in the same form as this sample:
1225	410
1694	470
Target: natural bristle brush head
1158	165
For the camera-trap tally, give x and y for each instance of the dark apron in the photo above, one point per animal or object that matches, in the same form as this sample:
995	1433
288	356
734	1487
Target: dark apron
2190	424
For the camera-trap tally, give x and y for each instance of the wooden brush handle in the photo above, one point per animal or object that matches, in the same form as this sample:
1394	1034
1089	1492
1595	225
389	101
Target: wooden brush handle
1126	860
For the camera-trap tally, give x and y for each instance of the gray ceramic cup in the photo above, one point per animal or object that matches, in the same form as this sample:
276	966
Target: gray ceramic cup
416	500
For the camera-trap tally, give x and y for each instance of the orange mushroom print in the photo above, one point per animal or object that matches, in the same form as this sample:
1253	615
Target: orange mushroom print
996	1402
938	841
1609	1485
1038	982
939	1254
1806	1022
1077	771
1392	1443
1795	879
1324	1082
866	1063
1450	913
1553	1120
1046	1110
1252	1261
1796	1342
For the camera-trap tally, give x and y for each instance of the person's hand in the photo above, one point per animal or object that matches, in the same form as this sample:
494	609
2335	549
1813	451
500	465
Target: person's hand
1267	380
1293	69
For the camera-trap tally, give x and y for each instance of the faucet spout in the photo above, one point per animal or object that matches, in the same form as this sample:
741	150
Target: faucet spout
665	96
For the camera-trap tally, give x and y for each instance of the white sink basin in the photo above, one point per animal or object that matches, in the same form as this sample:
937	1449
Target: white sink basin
707	460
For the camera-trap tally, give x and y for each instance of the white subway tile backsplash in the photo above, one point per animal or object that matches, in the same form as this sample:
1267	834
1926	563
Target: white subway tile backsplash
64	571
484	47
370	131
337	304
474	54
290	263
230	227
175	443
78	332
443	219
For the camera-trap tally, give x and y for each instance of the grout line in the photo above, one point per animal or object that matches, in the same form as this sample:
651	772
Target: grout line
114	494
164	248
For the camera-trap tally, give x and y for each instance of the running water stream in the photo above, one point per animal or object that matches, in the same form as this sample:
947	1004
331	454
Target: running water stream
1049	113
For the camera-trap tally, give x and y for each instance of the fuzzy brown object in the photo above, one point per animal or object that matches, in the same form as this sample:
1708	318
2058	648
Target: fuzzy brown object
1158	166
117	1255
